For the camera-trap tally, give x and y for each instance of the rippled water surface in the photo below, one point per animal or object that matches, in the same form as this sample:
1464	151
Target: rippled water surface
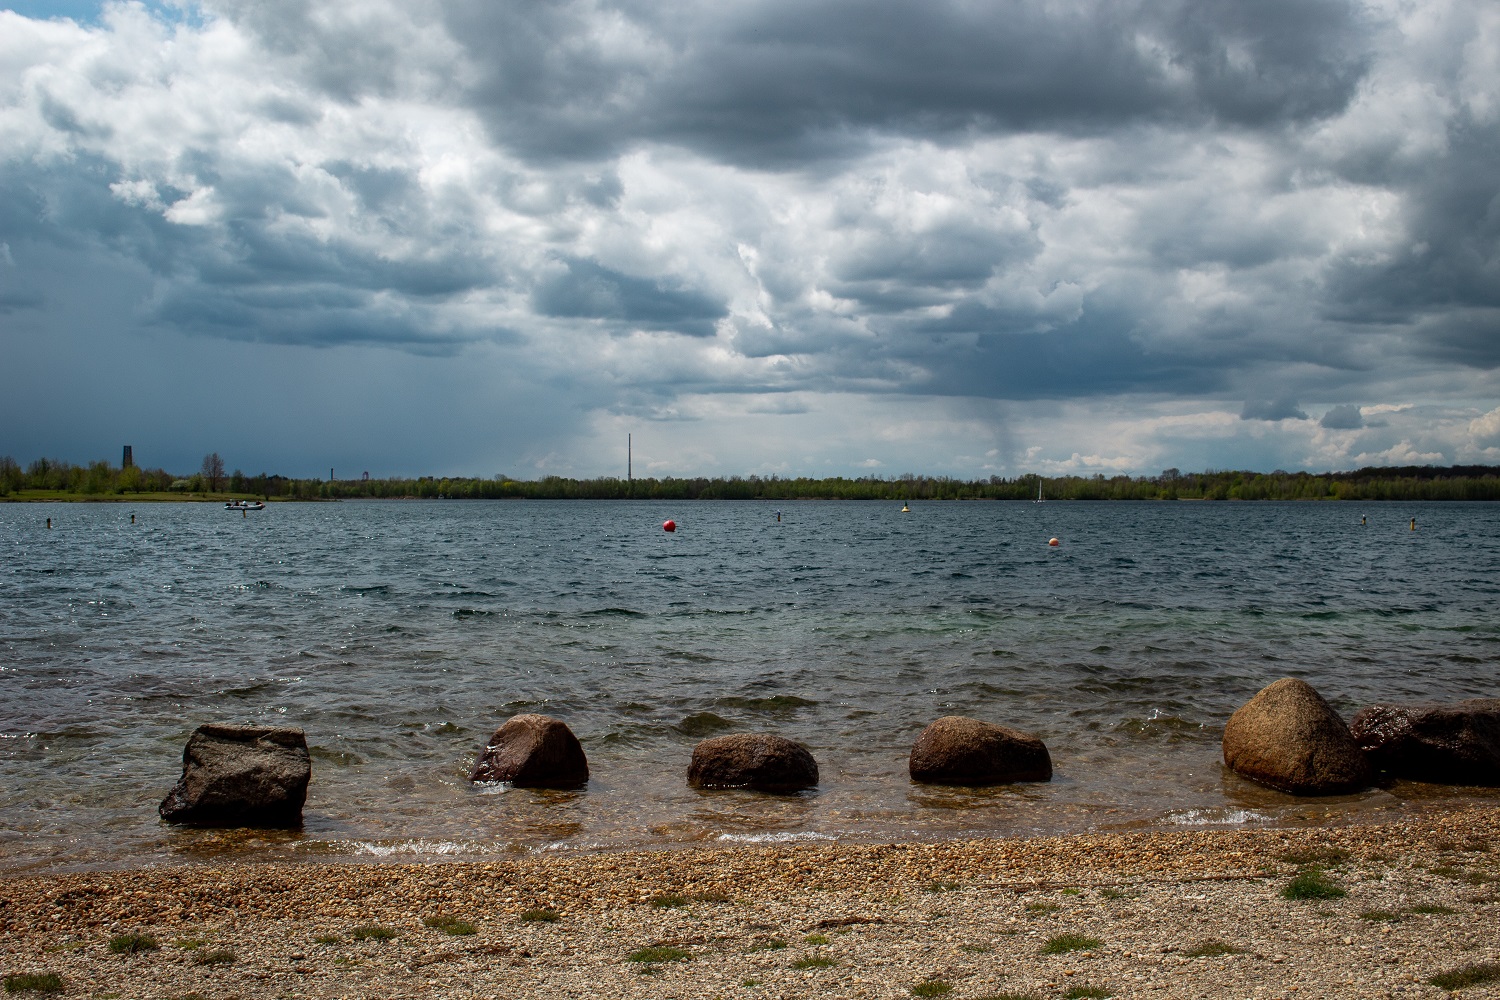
399	635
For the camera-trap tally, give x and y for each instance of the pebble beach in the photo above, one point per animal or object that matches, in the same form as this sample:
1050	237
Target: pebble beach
1404	908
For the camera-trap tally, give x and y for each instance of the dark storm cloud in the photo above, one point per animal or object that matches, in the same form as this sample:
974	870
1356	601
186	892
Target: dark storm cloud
782	82
1281	408
585	289
1343	418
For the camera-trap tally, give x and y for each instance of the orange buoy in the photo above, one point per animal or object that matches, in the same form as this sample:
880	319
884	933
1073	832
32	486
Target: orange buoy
669	526
1053	541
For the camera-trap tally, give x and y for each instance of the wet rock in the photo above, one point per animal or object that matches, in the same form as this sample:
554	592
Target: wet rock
760	761
241	776
1289	738
534	751
1455	744
956	750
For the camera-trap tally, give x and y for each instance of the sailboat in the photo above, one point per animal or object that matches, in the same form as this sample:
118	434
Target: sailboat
1038	490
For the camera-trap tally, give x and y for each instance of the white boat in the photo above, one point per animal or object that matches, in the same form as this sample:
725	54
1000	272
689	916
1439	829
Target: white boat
244	505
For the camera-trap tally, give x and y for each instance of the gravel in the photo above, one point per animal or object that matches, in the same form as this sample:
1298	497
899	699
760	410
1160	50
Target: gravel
1174	914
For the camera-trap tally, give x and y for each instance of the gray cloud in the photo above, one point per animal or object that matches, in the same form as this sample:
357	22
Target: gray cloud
1281	408
585	289
1345	417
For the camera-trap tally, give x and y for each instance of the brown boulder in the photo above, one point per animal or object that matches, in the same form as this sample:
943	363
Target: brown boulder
956	750
760	761
1289	738
533	751
241	776
1444	744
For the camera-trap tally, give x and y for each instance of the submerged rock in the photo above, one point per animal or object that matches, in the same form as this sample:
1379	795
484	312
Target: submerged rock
535	751
1289	738
760	761
241	776
956	750
1445	744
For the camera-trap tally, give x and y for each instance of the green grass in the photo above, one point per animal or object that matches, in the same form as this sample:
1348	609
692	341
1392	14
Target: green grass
1112	893
1314	856
931	988
219	956
941	887
775	944
327	939
1431	908
1313	883
1060	944
34	982
1088	993
816	939
130	944
1212	948
450	925
815	962
660	953
1071	892
1042	907
1380	916
669	902
190	944
542	916
1467	975
373	932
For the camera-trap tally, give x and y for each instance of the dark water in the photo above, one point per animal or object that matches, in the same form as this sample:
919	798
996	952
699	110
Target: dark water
399	635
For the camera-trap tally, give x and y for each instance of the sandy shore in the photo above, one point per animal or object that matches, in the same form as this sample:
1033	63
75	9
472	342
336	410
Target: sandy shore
1158	914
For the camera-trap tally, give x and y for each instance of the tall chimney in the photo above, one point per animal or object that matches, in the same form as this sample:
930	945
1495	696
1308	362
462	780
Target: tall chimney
127	461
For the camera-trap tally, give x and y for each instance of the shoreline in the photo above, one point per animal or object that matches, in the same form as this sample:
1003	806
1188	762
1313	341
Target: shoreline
960	918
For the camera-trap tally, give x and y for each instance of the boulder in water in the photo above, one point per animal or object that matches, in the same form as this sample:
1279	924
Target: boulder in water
956	750
534	751
1445	744
760	761
1288	738
241	776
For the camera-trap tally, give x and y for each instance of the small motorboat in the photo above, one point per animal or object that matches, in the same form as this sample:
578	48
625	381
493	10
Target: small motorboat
244	505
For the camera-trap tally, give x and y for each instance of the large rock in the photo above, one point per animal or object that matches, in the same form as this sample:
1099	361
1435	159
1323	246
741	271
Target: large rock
1445	744
1289	738
760	761
956	750
534	751
241	776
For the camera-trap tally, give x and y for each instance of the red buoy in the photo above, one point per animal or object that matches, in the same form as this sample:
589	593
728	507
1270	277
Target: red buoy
1053	541
669	526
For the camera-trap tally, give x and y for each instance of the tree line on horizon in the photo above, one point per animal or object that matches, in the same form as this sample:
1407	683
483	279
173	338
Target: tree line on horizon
1458	482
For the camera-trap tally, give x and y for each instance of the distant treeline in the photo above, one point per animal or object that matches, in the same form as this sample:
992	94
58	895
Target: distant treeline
1459	482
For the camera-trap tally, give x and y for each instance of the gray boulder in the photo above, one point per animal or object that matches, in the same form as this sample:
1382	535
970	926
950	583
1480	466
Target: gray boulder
241	776
1289	738
1445	744
760	761
956	750
533	751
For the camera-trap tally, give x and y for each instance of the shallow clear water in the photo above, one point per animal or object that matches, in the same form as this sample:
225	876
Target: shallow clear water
400	635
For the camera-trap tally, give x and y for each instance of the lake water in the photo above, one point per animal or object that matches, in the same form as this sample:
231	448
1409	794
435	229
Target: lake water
399	635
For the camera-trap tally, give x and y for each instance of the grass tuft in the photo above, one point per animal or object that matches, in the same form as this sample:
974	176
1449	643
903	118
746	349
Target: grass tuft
130	944
1087	993
327	939
941	887
34	982
669	902
774	944
1314	856
816	939
1313	883
1467	975
1060	944
1113	893
815	962
373	932
1380	917
931	988
1042	907
660	953
190	944
218	956
541	916
1212	948
450	925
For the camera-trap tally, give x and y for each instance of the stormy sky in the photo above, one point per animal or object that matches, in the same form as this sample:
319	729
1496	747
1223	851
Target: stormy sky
761	236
